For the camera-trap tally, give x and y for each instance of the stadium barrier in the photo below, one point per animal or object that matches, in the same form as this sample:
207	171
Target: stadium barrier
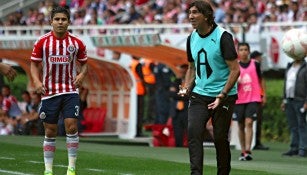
94	119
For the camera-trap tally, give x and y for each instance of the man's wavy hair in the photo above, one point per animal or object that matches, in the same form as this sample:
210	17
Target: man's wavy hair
205	8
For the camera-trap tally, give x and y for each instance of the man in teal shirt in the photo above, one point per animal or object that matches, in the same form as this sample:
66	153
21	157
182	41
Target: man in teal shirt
211	83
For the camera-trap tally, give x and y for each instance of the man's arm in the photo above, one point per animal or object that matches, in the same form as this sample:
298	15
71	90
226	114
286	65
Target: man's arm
234	74
80	77
35	73
190	76
189	81
8	71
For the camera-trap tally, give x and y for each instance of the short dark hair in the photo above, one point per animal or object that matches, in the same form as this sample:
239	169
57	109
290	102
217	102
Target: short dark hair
60	9
205	8
244	44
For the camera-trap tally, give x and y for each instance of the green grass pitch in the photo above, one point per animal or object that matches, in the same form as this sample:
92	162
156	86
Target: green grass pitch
22	155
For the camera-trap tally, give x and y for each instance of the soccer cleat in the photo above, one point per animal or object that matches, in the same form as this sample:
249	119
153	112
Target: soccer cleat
71	171
48	173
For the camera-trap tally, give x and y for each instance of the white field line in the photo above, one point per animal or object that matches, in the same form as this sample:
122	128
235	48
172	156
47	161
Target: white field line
95	170
40	162
65	166
13	172
7	158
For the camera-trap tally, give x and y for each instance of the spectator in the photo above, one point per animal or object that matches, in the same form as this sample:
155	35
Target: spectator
116	55
26	104
11	109
295	106
6	125
33	125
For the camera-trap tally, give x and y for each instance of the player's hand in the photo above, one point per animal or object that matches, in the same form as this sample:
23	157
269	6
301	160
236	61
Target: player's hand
183	91
8	71
78	80
40	88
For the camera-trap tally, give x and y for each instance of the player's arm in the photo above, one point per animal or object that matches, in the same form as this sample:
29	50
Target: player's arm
82	58
80	77
35	73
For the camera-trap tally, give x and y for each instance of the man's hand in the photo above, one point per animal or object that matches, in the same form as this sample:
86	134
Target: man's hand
78	80
39	88
8	71
217	101
183	91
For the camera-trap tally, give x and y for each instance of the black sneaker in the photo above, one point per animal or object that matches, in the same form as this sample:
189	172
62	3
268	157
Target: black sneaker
248	155
291	153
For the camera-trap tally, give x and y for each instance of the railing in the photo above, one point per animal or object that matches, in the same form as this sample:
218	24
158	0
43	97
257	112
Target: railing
93	30
11	6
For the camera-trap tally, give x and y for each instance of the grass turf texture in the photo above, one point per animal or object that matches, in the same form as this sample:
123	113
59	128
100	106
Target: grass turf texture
108	156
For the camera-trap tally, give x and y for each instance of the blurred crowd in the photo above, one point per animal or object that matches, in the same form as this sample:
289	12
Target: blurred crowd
19	117
107	12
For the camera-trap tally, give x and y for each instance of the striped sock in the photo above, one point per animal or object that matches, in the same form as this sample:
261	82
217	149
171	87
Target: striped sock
49	149
72	144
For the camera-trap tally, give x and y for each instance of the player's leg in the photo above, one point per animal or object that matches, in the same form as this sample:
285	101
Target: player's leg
49	146
49	112
70	111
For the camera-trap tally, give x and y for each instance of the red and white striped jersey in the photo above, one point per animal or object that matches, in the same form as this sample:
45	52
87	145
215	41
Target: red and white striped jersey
58	57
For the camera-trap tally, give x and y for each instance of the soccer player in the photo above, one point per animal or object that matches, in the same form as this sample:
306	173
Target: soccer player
57	81
211	82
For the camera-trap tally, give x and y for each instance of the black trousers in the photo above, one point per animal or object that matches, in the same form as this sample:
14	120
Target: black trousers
140	113
197	119
180	124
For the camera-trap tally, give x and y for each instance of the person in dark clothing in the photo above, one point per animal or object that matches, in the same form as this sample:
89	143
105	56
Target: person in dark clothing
34	125
163	76
258	145
295	105
136	69
179	108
